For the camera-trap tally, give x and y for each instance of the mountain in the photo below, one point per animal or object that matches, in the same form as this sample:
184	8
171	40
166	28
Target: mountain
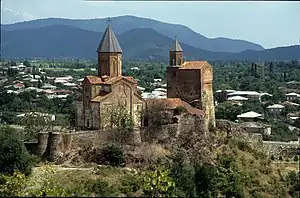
123	24
60	41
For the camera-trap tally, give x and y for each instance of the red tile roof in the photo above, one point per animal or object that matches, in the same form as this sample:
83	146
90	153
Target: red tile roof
19	85
97	80
173	103
194	64
94	79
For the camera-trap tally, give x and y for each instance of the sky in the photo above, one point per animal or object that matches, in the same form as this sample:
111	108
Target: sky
270	24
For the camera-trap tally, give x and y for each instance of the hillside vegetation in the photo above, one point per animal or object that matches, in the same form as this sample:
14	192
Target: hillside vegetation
214	167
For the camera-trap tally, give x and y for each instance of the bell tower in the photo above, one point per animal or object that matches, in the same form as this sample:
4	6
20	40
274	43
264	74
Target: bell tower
175	54
109	54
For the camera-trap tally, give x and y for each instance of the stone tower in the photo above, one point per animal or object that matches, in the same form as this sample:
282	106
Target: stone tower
191	81
109	55
175	54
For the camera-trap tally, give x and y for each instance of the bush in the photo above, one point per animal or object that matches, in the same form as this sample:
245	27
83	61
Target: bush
272	157
183	174
13	154
280	158
158	183
296	158
179	110
99	188
113	155
130	184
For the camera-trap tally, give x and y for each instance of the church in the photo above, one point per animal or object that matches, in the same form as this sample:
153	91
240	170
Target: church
189	84
107	90
191	81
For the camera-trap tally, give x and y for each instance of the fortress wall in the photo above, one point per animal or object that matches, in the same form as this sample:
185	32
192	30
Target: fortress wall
285	149
270	148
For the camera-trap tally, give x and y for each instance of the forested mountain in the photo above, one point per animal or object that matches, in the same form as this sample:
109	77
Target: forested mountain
123	24
60	41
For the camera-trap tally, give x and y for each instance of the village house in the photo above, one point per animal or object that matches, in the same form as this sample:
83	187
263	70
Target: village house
292	96
275	109
250	116
237	99
256	127
251	95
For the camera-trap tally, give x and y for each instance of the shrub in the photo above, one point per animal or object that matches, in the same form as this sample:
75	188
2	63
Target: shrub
113	155
296	158
272	157
130	184
280	158
13	154
183	174
99	188
158	183
179	110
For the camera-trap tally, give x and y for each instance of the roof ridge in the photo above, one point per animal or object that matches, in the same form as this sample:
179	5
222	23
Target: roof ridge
176	47
109	42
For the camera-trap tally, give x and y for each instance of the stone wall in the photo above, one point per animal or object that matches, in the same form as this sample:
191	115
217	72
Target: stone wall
168	132
54	145
285	149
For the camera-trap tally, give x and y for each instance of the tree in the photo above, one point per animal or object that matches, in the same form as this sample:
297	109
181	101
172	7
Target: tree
35	123
26	63
228	111
158	183
13	154
113	155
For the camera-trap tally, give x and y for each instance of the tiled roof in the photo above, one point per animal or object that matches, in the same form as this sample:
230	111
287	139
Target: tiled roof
97	80
176	47
250	114
109	42
115	79
94	79
172	103
194	64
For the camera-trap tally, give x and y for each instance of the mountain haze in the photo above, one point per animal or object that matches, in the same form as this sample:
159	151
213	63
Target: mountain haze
123	24
60	41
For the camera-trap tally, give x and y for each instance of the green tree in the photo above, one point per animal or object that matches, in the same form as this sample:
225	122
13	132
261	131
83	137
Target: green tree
158	183
113	155
26	63
13	154
228	111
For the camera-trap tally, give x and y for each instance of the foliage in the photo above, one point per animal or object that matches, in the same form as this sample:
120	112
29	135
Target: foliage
118	116
11	186
293	183
33	124
228	111
99	188
13	154
113	155
158	183
130	184
183	174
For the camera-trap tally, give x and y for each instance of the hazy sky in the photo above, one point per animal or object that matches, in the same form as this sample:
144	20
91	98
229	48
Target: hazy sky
270	24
